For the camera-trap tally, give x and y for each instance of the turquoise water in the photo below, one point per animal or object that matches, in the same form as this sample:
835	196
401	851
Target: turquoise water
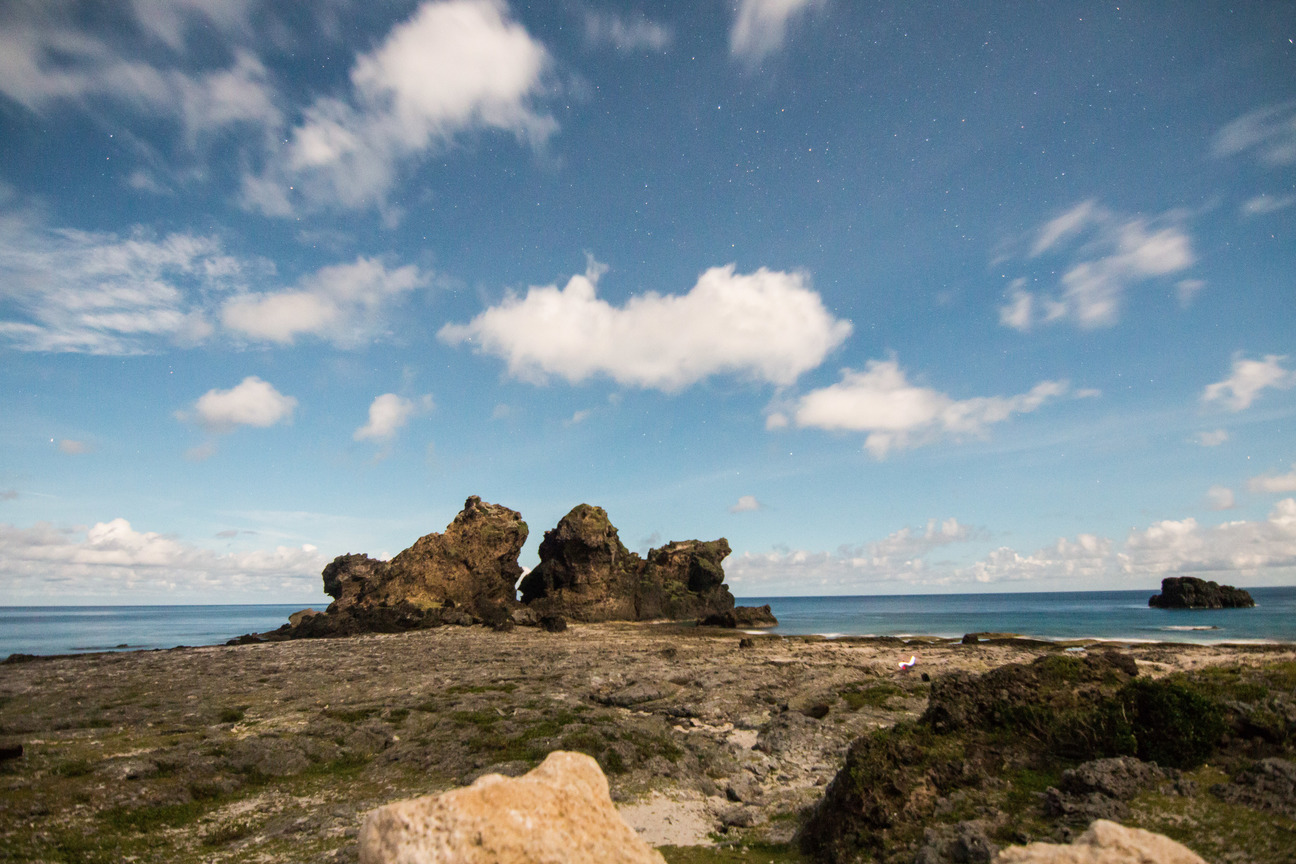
1122	615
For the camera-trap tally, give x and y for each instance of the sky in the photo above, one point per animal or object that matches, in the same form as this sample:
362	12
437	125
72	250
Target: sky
899	298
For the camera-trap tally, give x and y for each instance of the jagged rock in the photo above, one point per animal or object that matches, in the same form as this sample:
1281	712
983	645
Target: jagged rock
473	565
1104	843
586	574
1189	592
560	811
1098	789
1269	784
742	616
684	579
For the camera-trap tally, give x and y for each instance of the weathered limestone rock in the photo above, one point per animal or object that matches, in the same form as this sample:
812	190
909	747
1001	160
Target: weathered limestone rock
684	579
1189	592
1104	843
586	574
559	813
472	566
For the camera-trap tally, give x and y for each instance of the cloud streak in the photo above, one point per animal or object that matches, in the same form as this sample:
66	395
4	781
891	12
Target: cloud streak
1108	254
1247	380
768	326
760	27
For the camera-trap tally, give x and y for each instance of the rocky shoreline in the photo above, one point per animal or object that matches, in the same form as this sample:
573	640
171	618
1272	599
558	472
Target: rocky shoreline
274	751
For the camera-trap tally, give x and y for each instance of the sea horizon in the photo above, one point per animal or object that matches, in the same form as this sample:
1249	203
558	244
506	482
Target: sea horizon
1114	616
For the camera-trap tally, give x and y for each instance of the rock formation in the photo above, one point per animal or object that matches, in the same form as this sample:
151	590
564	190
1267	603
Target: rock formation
742	616
1189	592
559	812
586	574
1104	842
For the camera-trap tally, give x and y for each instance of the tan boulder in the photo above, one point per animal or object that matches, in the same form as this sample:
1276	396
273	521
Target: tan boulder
559	813
1104	843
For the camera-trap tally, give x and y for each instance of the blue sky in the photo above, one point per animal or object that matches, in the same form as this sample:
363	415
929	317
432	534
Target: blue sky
931	298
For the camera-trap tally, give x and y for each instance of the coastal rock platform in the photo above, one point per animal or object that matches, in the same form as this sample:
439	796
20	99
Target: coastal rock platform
276	751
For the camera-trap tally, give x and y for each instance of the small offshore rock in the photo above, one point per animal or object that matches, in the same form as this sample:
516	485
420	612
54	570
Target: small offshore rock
560	811
1189	592
1104	842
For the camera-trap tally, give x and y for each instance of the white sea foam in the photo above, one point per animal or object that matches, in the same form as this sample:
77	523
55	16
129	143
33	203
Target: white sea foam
1192	627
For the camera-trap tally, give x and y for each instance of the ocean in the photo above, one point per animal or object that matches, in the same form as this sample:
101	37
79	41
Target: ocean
1115	615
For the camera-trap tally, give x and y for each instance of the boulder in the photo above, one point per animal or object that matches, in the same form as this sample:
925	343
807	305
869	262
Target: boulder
1269	784
559	812
1104	843
586	574
1189	592
297	617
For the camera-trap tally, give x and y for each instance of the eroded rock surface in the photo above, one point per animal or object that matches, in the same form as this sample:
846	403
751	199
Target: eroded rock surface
586	574
559	812
472	565
1189	592
1104	843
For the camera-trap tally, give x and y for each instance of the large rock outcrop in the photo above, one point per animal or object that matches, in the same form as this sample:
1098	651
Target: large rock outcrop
559	812
461	576
586	574
1189	592
585	571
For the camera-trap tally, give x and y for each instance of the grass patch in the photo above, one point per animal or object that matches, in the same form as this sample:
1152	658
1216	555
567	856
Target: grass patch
154	817
227	833
350	715
74	768
874	695
232	714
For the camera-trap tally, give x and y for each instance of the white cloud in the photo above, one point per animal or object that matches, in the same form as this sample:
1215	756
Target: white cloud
170	20
747	504
1113	253
112	559
1268	133
1213	438
454	67
1274	482
72	447
1220	498
1185	547
897	414
388	414
768	325
636	33
99	293
760	27
1247	379
252	403
343	303
1266	203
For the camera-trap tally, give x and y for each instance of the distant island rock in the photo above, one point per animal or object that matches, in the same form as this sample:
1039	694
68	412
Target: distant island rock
1189	592
468	574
